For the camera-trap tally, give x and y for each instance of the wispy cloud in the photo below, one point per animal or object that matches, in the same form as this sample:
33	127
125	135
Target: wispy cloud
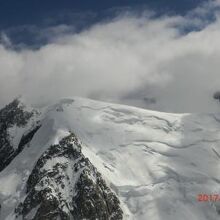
130	59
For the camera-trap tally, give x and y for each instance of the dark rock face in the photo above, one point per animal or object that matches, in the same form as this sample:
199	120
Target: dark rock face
26	138
65	185
12	114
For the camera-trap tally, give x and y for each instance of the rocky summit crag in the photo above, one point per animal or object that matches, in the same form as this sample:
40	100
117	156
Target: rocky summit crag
65	185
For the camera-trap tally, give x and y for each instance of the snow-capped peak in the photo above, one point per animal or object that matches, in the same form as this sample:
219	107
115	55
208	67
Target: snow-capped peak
155	164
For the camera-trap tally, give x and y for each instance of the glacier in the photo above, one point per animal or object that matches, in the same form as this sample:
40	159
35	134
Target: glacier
155	163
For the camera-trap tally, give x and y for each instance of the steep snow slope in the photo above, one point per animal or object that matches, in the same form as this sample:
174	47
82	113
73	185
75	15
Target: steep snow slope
156	163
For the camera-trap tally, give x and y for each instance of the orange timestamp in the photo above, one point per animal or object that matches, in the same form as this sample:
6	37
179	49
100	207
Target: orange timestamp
208	197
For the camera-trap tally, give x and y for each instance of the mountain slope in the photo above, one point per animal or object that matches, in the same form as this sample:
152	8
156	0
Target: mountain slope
152	165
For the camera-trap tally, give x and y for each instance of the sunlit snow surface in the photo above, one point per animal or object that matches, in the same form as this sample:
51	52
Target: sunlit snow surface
157	163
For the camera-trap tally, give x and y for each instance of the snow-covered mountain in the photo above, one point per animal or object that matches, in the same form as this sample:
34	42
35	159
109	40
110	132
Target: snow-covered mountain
84	159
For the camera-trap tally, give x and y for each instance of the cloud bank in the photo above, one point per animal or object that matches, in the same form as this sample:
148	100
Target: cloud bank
141	60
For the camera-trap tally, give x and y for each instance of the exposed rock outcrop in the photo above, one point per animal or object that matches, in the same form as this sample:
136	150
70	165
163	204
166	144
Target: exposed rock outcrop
13	114
65	185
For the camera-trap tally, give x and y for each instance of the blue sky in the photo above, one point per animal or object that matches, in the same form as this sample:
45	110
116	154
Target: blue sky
21	20
14	13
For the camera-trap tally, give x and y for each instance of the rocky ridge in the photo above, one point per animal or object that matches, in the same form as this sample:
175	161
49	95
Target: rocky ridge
63	184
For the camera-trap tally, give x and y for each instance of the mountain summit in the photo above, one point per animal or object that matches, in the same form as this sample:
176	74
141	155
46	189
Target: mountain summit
84	159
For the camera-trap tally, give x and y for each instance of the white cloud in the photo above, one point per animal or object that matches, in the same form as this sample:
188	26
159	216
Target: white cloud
124	60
